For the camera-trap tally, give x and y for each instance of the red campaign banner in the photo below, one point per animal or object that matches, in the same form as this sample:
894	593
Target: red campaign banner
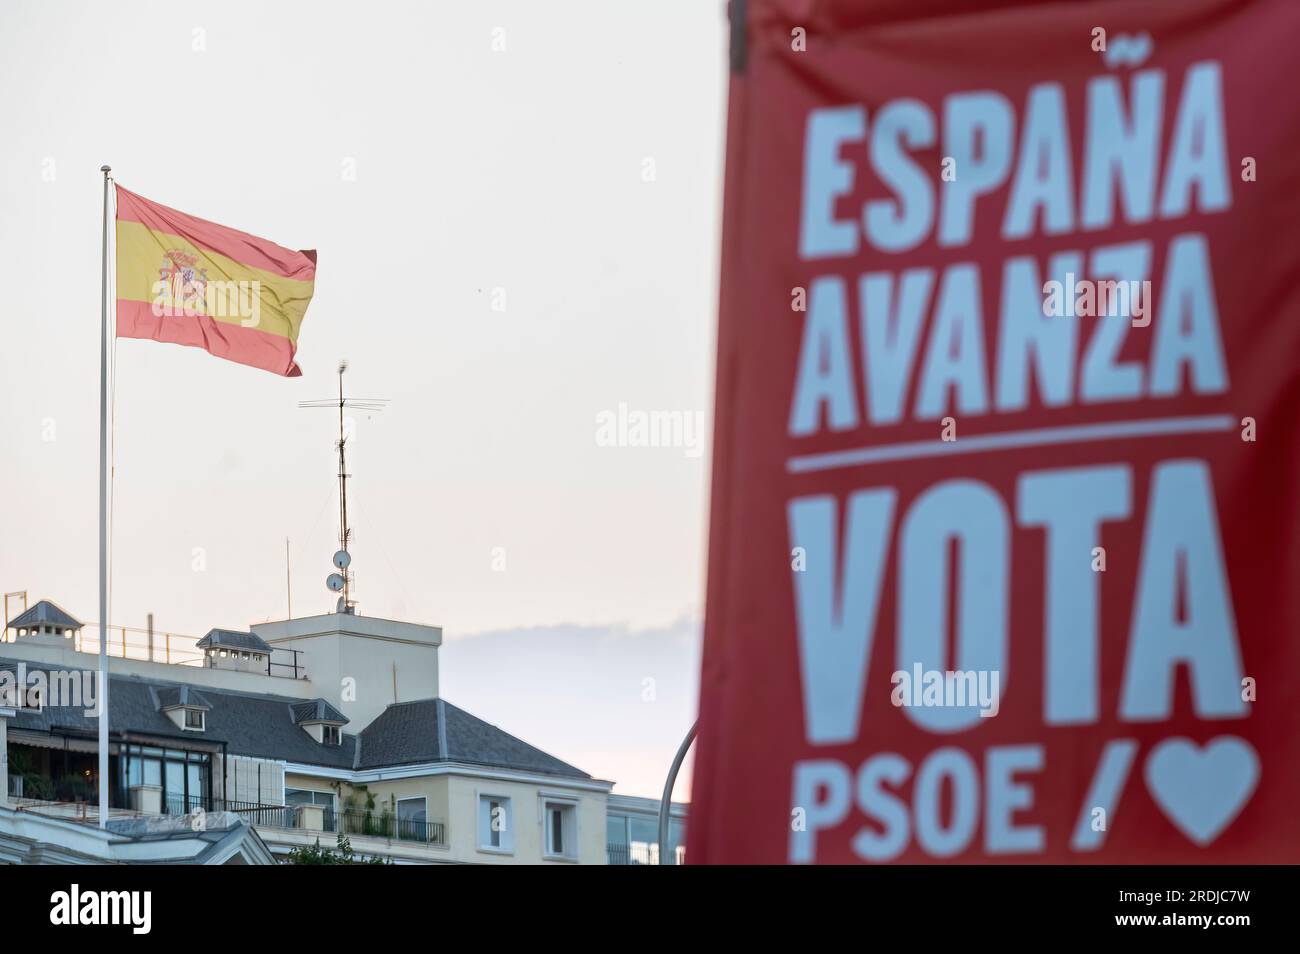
1005	548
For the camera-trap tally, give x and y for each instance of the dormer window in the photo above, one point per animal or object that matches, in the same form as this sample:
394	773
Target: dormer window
320	720
185	706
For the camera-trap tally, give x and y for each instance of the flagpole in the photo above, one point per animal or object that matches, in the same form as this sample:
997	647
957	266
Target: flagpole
103	523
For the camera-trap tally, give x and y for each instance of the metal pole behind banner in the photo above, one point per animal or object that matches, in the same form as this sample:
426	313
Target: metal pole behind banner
103	524
666	803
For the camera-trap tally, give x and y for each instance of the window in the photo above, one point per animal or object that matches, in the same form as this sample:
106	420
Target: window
330	735
194	719
184	777
677	839
560	820
616	839
307	796
495	826
644	847
412	819
174	787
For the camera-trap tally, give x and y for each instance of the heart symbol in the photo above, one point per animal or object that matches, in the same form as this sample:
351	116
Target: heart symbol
1202	790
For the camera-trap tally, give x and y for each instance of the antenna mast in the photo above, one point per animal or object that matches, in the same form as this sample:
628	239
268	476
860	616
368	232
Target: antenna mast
341	582
343	493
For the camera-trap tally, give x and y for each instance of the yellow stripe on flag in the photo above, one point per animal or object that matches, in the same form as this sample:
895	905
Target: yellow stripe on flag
146	256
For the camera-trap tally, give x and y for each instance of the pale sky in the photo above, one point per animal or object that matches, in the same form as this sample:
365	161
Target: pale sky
575	175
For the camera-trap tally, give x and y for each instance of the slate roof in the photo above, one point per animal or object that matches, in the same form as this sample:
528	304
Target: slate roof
47	613
263	725
434	730
255	724
232	639
173	696
317	710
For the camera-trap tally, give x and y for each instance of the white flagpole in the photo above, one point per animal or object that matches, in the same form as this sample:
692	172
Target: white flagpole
103	525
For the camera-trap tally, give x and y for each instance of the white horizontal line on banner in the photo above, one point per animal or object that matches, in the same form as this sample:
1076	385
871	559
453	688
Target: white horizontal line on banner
1035	437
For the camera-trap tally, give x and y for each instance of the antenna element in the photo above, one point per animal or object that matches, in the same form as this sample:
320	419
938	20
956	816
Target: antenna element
341	582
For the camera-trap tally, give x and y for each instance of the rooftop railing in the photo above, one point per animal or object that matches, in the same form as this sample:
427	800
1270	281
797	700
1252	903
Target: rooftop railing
174	649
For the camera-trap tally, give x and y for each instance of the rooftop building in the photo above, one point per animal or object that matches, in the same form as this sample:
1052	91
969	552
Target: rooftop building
349	737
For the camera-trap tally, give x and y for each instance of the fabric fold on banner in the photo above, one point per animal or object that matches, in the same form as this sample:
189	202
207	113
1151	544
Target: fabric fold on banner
188	281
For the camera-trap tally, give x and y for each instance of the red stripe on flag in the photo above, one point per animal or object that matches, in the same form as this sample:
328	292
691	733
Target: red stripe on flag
250	346
240	246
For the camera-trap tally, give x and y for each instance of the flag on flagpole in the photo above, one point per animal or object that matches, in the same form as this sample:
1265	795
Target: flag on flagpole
188	281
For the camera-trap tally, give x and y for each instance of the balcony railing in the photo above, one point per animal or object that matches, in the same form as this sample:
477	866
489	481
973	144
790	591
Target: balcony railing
351	822
347	822
267	816
640	853
628	854
176	804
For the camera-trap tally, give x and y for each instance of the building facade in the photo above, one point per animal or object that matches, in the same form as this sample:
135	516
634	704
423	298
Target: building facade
307	729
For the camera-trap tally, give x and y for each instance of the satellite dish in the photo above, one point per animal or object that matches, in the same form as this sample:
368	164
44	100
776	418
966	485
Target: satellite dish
335	582
342	559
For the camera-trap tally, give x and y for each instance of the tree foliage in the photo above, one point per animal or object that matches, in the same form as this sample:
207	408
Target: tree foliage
342	854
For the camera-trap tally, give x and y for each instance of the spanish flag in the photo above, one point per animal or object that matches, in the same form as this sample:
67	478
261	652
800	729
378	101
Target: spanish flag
192	282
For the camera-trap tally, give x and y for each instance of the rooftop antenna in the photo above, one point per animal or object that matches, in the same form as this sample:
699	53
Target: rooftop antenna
341	582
